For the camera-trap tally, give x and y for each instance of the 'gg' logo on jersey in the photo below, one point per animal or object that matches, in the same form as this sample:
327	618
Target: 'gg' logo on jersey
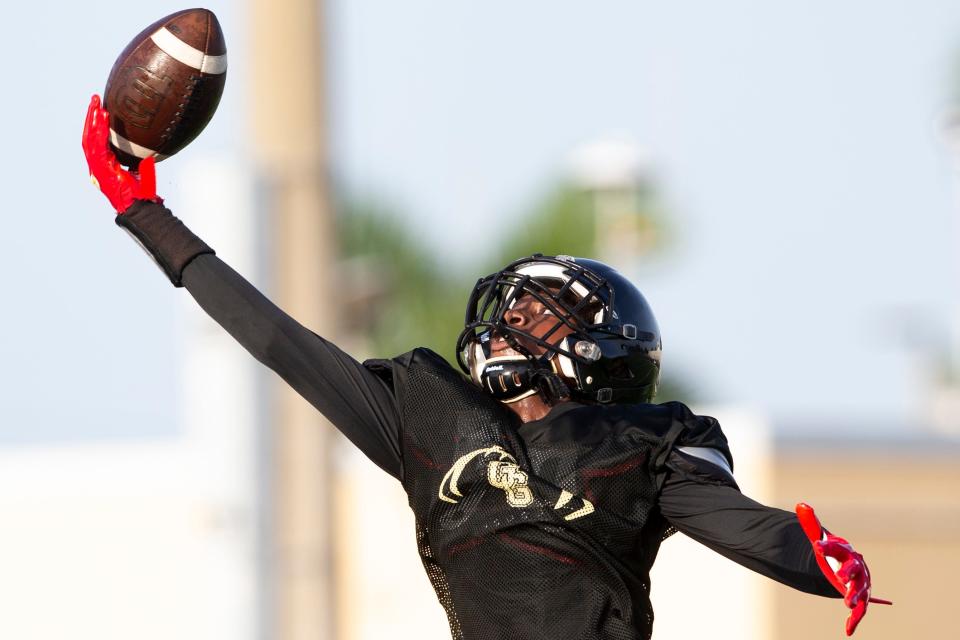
513	481
502	473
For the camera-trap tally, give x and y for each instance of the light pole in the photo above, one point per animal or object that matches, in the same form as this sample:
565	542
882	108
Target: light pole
289	123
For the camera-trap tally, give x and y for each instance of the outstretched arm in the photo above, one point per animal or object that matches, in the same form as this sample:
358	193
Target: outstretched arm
706	505
701	499
354	399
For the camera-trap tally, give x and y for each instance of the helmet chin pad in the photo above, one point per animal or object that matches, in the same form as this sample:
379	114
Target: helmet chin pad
507	378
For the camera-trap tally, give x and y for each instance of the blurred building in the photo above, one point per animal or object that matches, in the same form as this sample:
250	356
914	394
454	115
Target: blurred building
163	537
942	357
897	498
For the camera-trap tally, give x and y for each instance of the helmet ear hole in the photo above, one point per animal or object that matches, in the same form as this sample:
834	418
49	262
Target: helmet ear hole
619	370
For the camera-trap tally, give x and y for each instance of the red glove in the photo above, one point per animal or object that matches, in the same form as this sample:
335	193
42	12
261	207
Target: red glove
852	578
120	186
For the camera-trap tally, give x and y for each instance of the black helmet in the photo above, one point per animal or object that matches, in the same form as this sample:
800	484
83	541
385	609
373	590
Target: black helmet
612	354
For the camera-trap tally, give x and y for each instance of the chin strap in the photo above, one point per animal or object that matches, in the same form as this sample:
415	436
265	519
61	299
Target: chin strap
551	387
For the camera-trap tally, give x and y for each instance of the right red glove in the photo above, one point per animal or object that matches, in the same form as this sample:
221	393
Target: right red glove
120	186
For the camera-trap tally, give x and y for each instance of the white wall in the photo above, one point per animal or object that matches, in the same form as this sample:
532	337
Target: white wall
154	538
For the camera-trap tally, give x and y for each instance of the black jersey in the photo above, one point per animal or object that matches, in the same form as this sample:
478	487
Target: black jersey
539	530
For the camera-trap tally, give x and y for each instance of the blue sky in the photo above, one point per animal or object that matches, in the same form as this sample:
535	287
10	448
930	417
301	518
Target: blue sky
799	147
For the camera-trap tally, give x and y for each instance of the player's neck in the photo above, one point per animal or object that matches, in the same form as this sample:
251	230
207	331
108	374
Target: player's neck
531	408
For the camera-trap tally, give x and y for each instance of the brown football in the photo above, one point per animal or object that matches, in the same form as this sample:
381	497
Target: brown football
165	86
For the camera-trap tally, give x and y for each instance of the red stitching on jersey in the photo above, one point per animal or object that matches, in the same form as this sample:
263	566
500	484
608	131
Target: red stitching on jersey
526	546
464	546
623	467
422	457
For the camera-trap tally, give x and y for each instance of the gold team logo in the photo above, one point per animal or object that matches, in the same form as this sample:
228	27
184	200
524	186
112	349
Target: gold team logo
504	473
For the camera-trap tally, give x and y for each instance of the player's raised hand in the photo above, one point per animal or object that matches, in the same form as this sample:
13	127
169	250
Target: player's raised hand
851	577
120	186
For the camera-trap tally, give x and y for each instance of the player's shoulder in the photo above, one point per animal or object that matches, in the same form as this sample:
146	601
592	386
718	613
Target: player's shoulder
396	371
697	446
661	424
695	429
678	428
416	356
673	419
427	357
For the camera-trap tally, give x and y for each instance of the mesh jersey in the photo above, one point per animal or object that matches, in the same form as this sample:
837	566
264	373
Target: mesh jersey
541	530
538	530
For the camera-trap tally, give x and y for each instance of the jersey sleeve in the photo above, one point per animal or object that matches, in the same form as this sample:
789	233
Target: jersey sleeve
702	500
358	401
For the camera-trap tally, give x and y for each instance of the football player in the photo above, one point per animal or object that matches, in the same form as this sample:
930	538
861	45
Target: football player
544	481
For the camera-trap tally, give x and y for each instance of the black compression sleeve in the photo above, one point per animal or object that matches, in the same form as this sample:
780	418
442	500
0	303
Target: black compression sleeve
764	539
168	241
360	404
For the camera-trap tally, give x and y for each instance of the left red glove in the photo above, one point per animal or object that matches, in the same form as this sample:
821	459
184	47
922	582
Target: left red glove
851	578
120	186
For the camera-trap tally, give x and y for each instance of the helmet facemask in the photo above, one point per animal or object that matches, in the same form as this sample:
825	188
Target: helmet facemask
603	347
574	296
